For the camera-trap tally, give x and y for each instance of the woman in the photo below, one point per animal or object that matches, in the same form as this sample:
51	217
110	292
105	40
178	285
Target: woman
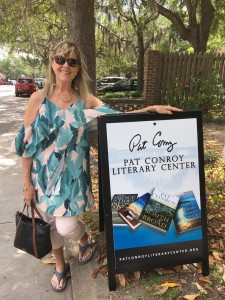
55	153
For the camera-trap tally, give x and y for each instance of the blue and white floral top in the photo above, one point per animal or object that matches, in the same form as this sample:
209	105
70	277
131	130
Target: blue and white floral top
57	141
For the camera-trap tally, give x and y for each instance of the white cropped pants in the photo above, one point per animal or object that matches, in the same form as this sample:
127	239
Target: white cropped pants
64	227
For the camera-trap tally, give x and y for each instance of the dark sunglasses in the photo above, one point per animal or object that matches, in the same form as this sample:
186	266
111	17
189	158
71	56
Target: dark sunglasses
72	62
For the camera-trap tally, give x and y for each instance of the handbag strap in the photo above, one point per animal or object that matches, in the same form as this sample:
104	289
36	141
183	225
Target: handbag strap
34	208
34	231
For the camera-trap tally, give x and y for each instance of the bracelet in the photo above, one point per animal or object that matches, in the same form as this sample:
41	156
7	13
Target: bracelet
25	188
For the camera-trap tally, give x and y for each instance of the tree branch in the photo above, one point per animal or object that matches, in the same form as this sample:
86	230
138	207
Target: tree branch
176	21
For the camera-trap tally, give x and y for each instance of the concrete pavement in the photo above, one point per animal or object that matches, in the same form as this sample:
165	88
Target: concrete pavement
21	275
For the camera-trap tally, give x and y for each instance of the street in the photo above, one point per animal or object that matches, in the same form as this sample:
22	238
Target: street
7	90
22	276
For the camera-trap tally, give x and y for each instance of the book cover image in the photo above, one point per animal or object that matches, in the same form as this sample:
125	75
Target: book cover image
119	201
160	210
188	214
131	212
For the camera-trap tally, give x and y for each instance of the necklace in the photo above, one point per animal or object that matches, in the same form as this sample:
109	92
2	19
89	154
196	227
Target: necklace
67	99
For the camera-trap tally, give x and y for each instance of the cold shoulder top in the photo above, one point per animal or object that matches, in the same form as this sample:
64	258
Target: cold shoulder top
58	142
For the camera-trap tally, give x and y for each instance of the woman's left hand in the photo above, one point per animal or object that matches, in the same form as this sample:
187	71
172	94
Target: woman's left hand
162	109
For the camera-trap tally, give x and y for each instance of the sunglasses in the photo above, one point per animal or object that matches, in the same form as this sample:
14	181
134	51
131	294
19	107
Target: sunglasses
72	62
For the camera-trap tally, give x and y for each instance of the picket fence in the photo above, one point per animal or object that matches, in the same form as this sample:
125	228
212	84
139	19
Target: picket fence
177	71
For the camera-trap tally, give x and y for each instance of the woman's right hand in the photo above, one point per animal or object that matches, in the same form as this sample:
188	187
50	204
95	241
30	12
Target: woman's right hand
29	194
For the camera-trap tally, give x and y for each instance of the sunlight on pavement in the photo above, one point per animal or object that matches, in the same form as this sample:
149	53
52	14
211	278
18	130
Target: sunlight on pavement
7	162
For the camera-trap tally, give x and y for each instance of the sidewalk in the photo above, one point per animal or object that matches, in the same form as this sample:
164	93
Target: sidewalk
22	276
83	285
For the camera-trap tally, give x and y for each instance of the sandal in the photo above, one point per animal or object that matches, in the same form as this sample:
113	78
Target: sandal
63	275
82	250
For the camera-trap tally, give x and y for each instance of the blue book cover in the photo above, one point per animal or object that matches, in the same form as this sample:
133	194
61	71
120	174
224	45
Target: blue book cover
131	212
188	214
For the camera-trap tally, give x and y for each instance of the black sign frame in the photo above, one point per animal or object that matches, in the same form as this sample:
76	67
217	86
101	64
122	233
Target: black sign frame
105	209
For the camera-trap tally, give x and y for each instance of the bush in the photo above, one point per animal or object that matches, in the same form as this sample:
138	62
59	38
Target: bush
206	94
115	95
125	94
135	94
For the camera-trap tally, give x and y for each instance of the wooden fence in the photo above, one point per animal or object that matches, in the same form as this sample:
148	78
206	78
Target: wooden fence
179	75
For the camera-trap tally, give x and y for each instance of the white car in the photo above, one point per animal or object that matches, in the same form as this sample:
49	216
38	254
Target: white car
12	81
40	82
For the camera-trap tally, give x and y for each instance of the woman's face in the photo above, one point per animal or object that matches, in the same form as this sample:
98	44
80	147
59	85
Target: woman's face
65	69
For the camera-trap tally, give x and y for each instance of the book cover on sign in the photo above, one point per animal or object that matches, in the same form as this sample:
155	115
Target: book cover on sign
131	212
188	214
119	201
160	210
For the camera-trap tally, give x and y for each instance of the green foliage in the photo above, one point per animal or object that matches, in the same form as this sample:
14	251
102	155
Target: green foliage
110	63
214	176
216	276
126	94
135	94
33	26
210	157
206	94
115	95
13	67
217	33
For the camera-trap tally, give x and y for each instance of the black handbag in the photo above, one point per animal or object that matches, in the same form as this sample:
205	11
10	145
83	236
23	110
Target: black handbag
32	234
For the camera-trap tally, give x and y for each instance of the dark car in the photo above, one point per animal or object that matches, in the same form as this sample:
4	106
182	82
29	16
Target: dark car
25	86
110	80
128	84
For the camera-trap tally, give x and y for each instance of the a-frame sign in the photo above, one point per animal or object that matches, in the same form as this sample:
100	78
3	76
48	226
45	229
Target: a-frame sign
152	191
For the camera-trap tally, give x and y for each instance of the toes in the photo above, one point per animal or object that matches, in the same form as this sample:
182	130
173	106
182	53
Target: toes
55	283
86	254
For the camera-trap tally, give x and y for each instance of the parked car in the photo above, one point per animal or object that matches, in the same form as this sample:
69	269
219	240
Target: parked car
108	81
25	86
12	81
128	84
40	82
4	82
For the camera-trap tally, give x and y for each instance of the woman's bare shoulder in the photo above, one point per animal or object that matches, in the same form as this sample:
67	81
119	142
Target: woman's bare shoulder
36	99
92	101
33	106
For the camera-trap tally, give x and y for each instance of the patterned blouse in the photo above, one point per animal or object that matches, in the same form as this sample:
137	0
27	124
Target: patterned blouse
58	142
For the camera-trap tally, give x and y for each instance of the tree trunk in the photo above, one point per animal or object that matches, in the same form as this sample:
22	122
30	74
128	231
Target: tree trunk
140	63
81	25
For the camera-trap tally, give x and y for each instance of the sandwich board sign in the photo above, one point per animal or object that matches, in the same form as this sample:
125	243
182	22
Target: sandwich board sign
152	191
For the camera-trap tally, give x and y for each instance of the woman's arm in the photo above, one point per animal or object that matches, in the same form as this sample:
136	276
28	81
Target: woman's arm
31	112
93	102
28	188
162	109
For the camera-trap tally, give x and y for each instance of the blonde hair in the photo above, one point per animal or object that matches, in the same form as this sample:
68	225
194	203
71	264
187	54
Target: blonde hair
80	84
